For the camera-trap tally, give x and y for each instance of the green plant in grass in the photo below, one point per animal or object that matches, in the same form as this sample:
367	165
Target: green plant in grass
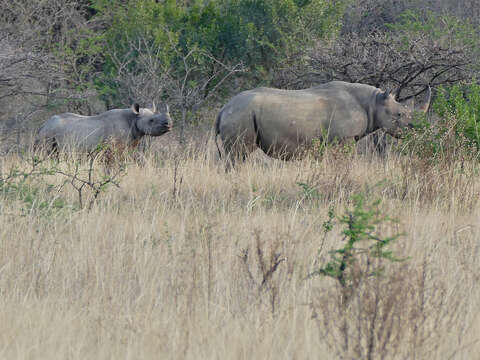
365	252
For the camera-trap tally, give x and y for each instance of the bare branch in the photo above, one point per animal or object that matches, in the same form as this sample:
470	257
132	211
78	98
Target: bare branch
407	64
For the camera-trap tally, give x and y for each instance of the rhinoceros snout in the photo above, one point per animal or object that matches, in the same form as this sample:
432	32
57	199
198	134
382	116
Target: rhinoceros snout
167	125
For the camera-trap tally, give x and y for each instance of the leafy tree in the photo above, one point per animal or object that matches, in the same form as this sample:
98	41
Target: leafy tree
260	34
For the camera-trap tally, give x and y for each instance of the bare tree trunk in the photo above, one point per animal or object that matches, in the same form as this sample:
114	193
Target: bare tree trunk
182	125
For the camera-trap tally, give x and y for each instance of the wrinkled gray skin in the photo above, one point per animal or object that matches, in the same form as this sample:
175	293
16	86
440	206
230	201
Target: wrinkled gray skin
120	127
284	122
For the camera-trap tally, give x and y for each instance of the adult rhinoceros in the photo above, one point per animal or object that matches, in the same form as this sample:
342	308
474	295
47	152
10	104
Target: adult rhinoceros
283	122
119	127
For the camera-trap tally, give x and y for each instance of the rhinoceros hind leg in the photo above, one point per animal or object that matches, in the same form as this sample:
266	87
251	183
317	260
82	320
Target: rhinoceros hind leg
235	151
49	146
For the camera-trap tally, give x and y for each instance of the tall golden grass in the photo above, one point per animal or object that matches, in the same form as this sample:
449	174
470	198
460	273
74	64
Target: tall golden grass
186	261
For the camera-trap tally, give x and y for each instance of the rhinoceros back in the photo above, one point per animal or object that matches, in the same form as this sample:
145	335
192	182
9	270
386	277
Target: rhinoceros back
70	129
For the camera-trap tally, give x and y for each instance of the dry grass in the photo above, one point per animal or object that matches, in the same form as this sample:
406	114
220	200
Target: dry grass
185	261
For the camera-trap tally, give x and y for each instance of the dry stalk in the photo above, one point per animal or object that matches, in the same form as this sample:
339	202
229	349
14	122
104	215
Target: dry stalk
266	266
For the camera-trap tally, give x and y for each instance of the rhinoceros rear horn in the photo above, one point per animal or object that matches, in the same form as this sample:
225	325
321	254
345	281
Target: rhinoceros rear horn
424	108
386	94
136	108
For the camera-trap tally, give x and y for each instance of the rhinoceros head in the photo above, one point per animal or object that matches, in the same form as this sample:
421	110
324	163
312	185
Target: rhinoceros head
151	122
393	116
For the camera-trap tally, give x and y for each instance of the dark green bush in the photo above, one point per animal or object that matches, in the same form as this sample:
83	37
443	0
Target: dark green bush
455	131
460	105
257	33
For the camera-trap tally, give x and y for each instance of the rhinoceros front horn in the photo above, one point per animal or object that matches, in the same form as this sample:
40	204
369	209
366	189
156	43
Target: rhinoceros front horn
424	108
154	107
135	108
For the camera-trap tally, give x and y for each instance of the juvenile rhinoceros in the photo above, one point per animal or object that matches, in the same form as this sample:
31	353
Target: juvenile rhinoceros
119	127
284	122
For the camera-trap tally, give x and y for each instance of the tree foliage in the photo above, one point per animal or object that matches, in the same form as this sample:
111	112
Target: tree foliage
256	33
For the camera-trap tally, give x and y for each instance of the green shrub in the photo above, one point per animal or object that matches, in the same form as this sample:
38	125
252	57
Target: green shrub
461	105
257	33
455	133
365	251
448	30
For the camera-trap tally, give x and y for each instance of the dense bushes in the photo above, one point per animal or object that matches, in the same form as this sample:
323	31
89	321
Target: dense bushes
259	34
453	133
461	105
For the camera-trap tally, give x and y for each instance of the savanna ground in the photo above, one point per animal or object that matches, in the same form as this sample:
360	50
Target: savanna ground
164	255
185	261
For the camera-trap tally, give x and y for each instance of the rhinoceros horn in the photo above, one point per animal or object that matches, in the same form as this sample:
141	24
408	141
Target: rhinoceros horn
424	108
136	108
154	107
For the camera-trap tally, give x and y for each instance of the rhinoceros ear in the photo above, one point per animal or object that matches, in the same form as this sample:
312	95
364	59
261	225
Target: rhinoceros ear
386	94
136	108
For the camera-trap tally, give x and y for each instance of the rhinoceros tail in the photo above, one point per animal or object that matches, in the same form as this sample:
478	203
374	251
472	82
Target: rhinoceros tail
217	131
258	139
